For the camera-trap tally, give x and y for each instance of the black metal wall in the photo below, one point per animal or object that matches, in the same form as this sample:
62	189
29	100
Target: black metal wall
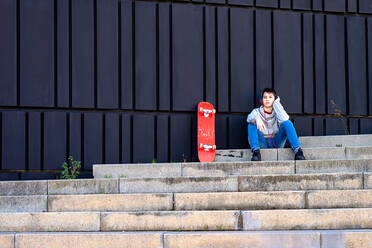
112	81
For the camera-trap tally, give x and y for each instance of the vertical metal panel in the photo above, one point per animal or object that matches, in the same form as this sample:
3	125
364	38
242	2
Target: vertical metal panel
210	54
267	3
353	125
111	138
34	141
145	52
334	5
263	48
8	58
336	126
352	5
126	54
13	140
319	47
180	138
221	132
365	6
336	64
242	85
318	5
93	139
187	53
239	2
356	43
303	125
308	62
126	130
238	136
164	57
302	4
143	138
369	61
366	126
8	176
318	126
287	60
75	136
162	145
63	53
107	53
83	87
285	4
54	140
222	60
36	53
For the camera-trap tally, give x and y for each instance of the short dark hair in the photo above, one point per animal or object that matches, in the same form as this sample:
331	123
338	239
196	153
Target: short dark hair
269	90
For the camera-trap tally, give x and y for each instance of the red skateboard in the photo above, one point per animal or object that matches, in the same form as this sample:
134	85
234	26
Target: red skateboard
206	139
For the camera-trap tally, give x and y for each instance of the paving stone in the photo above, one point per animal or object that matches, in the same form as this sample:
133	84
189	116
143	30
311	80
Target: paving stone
244	155
354	218
23	188
331	166
83	186
137	170
347	239
359	152
179	184
340	199
31	203
49	222
336	140
237	168
90	240
242	239
314	153
116	202
301	182
239	200
170	220
7	240
368	180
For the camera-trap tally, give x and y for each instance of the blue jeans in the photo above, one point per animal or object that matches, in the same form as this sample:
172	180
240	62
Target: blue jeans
286	130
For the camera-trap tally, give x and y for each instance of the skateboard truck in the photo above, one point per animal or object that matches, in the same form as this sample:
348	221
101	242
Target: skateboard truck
206	147
207	111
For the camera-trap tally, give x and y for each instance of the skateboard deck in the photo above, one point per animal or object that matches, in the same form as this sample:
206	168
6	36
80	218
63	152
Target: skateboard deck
206	132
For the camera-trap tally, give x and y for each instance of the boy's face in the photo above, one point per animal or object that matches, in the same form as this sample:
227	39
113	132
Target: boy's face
268	99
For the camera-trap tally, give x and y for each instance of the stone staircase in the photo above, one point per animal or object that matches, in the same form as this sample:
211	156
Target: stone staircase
324	202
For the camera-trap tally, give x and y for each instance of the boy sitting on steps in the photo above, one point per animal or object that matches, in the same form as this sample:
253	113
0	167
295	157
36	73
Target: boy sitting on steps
269	127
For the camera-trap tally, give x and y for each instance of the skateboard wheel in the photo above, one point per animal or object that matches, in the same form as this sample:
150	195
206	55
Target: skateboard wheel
214	147
201	109
214	111
201	145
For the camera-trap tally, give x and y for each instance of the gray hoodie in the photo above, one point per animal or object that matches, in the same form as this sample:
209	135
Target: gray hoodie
271	121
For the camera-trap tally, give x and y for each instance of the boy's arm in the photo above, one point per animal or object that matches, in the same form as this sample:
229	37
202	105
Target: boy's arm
279	111
252	116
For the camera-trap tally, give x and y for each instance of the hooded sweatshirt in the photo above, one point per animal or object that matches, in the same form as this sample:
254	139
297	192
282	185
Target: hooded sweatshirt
272	121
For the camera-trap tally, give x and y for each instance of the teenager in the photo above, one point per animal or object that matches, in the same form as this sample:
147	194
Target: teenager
269	127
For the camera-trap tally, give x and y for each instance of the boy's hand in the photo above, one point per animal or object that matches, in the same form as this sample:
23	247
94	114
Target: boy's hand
260	125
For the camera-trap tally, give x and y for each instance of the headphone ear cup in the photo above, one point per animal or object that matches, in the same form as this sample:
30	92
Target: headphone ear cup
261	101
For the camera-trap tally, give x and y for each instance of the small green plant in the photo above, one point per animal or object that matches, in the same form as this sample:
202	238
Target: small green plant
71	169
206	228
154	160
107	176
123	176
102	191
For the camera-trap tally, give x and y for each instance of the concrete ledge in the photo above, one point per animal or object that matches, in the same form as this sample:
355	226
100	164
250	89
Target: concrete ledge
239	200
89	240
33	203
7	240
314	153
359	152
331	166
340	199
23	188
244	155
242	239
83	186
117	202
179	184
137	170
336	140
49	222
170	220
237	168
347	239
368	180
357	218
301	182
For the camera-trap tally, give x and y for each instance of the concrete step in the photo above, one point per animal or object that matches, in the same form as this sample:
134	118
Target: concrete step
234	168
307	219
284	154
216	239
336	140
324	181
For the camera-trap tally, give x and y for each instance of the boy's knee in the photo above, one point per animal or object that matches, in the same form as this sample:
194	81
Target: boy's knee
287	123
